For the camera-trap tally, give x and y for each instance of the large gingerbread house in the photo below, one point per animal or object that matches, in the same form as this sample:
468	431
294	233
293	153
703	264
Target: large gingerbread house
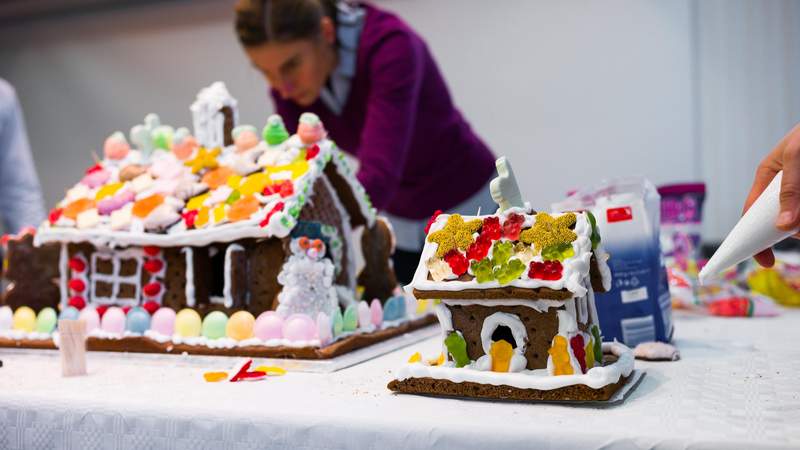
517	310
222	219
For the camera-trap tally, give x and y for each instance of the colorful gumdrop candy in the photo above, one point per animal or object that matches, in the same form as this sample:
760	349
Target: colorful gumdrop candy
559	354
457	262
509	272
547	270
243	208
96	176
269	325
512	226
457	347
363	314
80	205
188	323
394	308
142	208
138	320
299	327
558	252
274	131
501	252
217	177
116	146
491	228
598	344
162	137
46	320
69	313
376	312
483	270
163	321
6	318
350	318
240	326
310	129
214	324
338	322
245	137
589	352
501	352
113	320
576	342
184	144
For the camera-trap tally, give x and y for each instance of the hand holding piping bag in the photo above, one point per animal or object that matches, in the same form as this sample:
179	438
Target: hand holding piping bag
785	156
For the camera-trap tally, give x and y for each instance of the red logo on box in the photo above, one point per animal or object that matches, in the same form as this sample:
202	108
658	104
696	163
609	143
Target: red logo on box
619	214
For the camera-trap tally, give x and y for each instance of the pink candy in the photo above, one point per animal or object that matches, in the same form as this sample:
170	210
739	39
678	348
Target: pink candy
269	325
163	321
185	147
324	328
96	178
90	318
246	140
310	129
113	320
376	312
299	327
116	147
110	204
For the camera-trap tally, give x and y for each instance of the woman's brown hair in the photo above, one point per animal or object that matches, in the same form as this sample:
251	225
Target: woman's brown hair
262	21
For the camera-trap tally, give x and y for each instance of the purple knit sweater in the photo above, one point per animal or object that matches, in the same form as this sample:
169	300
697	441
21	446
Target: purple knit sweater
416	152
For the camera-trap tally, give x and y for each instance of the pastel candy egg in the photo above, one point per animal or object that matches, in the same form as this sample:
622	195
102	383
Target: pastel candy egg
364	315
96	178
214	325
6	318
324	329
163	321
116	146
46	320
338	322
245	140
24	319
187	323
113	320
90	318
269	325
185	147
395	308
299	327
350	319
240	325
138	320
376	312
69	313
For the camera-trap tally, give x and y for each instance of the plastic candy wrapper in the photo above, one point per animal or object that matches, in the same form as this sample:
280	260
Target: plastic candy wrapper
781	282
681	220
627	214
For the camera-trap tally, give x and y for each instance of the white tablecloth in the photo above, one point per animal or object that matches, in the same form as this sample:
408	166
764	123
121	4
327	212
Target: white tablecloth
737	386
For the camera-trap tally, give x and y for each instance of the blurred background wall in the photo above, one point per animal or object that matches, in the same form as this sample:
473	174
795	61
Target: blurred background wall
571	91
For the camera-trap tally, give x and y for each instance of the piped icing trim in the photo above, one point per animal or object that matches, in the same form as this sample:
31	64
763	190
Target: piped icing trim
226	290
513	322
595	378
189	291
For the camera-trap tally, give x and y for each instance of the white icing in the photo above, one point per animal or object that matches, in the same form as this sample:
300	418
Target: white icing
63	268
540	305
189	287
513	322
114	279
566	322
445	321
29	335
601	256
209	122
518	363
595	378
226	290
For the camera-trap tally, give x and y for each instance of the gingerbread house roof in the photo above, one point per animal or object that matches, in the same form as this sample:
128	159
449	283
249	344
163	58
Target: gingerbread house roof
516	254
195	196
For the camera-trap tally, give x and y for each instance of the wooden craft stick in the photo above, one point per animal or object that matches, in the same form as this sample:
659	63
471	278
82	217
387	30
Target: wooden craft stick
72	337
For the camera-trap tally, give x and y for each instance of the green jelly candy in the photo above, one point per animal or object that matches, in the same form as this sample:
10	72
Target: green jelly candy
509	272
457	347
294	211
598	344
482	270
558	252
595	234
46	320
350	318
338	322
501	252
235	195
214	325
274	131
162	137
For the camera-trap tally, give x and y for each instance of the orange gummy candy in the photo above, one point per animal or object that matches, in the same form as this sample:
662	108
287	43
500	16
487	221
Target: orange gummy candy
213	377
142	208
72	210
217	177
243	208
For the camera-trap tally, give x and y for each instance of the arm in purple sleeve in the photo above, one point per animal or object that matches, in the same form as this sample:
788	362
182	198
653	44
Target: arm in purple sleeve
395	77
21	201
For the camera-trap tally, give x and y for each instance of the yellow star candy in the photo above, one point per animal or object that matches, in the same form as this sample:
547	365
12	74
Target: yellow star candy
547	231
204	160
455	234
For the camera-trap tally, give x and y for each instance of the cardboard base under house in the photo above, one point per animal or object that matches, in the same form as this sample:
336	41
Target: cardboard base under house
343	353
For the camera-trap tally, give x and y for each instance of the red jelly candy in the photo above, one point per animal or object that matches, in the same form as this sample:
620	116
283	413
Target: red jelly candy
579	351
153	265
458	263
54	215
312	151
285	188
151	250
242	370
77	302
548	270
512	226
93	169
152	289
101	310
151	307
432	219
491	228
480	248
77	285
189	217
77	265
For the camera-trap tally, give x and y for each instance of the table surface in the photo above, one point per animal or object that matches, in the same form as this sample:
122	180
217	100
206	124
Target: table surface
736	386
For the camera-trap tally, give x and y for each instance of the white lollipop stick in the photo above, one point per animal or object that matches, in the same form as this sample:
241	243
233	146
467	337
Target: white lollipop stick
754	232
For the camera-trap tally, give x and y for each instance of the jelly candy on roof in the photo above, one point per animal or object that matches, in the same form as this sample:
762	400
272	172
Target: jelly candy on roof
455	234
274	132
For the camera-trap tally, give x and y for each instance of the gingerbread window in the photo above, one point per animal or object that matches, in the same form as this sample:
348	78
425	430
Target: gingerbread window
116	277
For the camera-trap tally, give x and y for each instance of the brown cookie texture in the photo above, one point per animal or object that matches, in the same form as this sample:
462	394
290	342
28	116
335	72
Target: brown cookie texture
540	328
141	344
266	258
468	389
32	274
595	276
174	278
228	125
377	276
501	293
346	195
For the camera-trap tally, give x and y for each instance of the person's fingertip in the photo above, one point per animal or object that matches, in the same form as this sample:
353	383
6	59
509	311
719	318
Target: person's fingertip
765	258
787	220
